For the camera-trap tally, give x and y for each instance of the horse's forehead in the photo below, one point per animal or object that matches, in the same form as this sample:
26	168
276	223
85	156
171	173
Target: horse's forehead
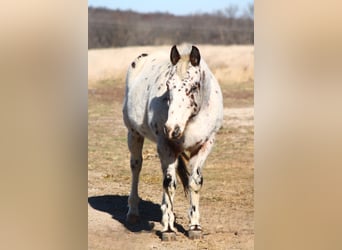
185	72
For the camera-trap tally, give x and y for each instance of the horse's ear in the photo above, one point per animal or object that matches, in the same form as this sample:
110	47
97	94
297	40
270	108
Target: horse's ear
195	56
174	55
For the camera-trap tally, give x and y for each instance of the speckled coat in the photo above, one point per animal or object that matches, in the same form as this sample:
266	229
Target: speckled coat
174	100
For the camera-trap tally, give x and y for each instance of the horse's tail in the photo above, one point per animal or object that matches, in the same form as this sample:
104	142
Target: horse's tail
183	172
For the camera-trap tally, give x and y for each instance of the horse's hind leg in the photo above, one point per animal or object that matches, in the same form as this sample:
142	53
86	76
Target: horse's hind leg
135	144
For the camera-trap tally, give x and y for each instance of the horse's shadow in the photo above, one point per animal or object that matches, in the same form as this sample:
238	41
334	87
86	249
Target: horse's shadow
117	207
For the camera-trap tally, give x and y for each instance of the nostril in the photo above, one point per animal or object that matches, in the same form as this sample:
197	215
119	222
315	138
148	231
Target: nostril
176	132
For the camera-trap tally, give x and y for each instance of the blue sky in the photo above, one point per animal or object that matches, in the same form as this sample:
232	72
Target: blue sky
178	7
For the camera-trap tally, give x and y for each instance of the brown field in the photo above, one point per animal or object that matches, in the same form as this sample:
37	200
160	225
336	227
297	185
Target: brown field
226	204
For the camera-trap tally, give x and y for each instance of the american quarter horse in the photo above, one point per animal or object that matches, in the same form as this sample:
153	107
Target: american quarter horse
174	100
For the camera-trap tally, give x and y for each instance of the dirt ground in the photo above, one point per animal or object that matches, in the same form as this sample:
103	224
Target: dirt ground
226	202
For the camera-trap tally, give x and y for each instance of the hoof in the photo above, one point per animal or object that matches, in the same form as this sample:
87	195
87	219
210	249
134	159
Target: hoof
168	236
133	219
195	233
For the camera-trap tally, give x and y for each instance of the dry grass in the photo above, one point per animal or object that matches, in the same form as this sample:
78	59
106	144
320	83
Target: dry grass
230	64
227	195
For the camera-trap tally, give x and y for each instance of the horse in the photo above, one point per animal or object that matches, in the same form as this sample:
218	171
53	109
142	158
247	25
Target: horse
174	100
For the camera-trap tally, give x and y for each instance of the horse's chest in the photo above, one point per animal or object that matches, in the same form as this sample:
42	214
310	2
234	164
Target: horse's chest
193	139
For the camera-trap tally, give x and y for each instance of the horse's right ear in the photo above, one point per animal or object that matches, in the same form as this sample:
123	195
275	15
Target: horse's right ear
174	55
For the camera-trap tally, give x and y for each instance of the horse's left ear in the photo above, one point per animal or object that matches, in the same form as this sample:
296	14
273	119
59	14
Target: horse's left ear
195	56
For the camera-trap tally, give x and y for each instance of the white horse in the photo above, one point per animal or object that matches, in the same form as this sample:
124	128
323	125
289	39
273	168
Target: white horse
174	100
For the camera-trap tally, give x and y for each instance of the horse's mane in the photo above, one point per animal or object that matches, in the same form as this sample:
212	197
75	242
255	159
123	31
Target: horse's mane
184	50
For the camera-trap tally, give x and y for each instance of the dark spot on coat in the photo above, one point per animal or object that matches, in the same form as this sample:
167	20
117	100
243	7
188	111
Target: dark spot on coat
142	55
203	75
198	85
133	64
193	208
201	181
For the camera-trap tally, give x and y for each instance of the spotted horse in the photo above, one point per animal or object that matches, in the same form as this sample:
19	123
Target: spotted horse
173	100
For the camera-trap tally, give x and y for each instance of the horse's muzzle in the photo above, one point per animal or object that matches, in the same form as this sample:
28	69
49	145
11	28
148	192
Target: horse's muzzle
174	133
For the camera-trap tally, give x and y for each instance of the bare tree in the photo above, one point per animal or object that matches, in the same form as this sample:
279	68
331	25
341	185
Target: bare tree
249	12
231	11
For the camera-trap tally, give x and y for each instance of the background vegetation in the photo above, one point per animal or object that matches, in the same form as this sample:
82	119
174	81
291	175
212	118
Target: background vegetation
116	28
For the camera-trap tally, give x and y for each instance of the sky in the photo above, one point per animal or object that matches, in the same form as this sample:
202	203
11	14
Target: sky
177	7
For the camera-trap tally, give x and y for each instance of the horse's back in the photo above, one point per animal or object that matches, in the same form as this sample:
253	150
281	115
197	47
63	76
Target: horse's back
144	66
141	87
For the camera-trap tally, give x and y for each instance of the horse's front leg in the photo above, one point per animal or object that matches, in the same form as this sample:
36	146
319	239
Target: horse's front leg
195	183
169	163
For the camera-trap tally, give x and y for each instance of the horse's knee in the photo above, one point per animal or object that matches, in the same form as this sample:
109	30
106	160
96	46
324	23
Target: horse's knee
169	182
196	182
136	164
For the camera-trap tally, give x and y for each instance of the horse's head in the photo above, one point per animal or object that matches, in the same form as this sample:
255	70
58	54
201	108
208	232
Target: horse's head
184	90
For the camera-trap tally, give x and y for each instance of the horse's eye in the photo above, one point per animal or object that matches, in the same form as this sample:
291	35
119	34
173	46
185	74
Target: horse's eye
193	88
